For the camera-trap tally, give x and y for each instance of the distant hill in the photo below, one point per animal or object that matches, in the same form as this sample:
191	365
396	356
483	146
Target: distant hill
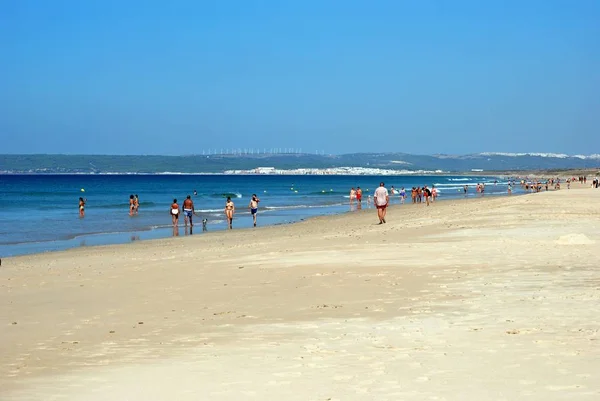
98	164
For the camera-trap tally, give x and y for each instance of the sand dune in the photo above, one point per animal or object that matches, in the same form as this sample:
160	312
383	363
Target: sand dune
487	299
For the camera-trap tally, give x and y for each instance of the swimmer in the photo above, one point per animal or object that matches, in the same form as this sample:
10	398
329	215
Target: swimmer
131	205
136	203
358	194
82	206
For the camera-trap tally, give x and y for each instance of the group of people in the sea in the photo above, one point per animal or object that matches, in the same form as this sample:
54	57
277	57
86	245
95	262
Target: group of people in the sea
187	209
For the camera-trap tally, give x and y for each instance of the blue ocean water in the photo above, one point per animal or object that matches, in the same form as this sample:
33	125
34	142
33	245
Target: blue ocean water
39	213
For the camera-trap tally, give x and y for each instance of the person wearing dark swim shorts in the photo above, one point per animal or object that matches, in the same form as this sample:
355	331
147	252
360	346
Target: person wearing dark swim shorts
254	207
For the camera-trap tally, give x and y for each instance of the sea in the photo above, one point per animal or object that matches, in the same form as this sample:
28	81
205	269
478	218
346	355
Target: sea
39	213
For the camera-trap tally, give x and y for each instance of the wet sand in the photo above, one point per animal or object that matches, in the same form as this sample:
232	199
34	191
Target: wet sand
486	299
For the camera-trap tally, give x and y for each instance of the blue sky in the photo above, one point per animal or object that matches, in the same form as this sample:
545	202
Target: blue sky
157	77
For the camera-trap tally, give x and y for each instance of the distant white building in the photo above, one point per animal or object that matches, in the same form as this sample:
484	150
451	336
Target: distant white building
265	170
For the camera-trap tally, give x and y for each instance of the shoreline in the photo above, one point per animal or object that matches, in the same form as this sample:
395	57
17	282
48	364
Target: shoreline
480	294
165	231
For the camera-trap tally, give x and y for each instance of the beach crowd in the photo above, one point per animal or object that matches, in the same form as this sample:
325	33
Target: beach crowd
381	198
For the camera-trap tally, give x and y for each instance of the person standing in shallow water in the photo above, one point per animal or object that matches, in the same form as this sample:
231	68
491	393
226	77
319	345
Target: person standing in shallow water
188	210
229	210
81	207
174	211
381	199
131	205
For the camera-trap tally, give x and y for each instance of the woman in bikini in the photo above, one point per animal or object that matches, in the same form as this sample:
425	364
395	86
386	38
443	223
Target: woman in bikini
131	205
81	207
229	210
174	212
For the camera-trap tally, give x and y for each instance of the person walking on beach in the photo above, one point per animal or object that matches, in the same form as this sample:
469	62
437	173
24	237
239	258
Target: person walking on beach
402	195
352	194
229	210
82	206
188	210
131	205
358	194
136	203
254	207
381	199
174	211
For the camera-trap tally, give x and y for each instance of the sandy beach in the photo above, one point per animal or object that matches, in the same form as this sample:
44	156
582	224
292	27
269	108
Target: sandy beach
487	299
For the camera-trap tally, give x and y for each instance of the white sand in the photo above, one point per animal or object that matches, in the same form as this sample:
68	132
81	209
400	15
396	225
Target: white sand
494	299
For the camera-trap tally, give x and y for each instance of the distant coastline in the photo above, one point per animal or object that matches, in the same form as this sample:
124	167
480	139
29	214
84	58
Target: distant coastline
295	164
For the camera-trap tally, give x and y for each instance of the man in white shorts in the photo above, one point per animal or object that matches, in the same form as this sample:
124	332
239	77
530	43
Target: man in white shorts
381	199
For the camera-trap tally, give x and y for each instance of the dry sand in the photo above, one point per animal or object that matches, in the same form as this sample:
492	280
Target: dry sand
490	299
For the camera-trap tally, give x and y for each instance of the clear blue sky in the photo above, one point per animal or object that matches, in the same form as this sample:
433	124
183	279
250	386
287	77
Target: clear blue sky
159	77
